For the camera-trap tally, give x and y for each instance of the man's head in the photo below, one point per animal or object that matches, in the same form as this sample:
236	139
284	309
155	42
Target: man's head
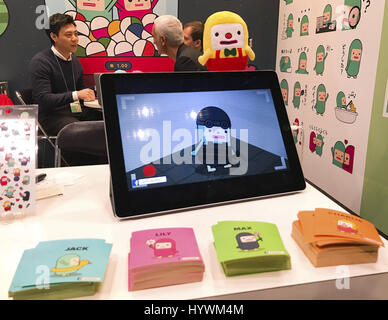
63	33
193	34
168	33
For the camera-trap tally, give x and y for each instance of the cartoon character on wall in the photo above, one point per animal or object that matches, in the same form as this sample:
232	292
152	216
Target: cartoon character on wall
132	8
354	59
214	139
290	25
163	248
284	89
343	157
345	112
295	132
7	205
4	180
68	264
304	26
288	1
352	14
327	14
91	9
225	43
297	95
302	65
322	96
248	241
316	143
4	17
285	64
320	60
9	191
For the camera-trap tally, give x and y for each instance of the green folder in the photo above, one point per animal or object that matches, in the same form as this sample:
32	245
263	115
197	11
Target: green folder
249	247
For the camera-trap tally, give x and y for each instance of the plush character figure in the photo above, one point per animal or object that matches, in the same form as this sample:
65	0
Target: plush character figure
225	43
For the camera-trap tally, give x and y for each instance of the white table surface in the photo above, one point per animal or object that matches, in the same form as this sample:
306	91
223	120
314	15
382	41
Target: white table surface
84	211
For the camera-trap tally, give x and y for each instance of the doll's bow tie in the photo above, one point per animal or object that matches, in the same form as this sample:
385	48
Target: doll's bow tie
232	52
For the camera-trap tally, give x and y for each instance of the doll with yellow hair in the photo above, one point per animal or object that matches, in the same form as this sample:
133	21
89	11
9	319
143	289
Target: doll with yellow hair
225	43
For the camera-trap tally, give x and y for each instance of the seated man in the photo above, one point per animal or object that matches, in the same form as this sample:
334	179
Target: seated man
193	34
57	79
168	39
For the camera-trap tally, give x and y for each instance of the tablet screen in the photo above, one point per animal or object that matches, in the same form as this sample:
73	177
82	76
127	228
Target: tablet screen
183	140
188	137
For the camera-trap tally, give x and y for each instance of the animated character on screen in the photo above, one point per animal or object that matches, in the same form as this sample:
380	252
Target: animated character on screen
290	25
248	241
165	247
69	264
320	60
354	59
135	8
297	95
225	43
91	9
214	138
322	97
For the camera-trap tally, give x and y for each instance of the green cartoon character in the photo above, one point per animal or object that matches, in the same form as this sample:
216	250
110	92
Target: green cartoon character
352	14
288	1
285	64
302	65
290	25
341	100
284	89
354	59
304	26
338	153
297	94
4	17
319	145
68	264
320	60
91	9
322	97
327	14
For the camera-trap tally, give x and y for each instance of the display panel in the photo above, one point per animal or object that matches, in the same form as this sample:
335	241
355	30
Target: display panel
193	139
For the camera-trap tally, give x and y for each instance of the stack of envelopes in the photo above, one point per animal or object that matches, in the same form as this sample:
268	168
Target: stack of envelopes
163	257
330	237
61	269
249	247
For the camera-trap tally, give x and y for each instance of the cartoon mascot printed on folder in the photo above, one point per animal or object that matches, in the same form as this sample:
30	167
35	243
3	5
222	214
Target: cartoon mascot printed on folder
163	248
248	241
225	43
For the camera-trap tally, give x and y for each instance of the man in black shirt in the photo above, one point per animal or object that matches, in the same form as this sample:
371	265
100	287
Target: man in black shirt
57	79
168	38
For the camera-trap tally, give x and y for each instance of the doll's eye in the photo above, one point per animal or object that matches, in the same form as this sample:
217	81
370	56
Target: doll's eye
238	32
217	34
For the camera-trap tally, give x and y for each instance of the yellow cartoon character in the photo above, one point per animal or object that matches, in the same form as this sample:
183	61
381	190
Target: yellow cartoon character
69	264
225	43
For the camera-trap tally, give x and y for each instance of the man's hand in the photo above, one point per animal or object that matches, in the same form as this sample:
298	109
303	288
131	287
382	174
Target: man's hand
86	95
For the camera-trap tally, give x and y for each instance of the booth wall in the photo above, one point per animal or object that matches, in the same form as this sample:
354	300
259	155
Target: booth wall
374	205
22	39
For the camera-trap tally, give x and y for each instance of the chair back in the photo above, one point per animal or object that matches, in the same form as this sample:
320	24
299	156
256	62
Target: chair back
24	96
84	137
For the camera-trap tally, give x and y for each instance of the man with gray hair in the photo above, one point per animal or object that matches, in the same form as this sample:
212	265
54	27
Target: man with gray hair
168	39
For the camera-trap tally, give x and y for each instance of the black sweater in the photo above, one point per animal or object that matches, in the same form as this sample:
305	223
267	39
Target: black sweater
48	87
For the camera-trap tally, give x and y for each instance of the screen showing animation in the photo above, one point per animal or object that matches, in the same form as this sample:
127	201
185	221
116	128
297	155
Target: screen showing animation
187	137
